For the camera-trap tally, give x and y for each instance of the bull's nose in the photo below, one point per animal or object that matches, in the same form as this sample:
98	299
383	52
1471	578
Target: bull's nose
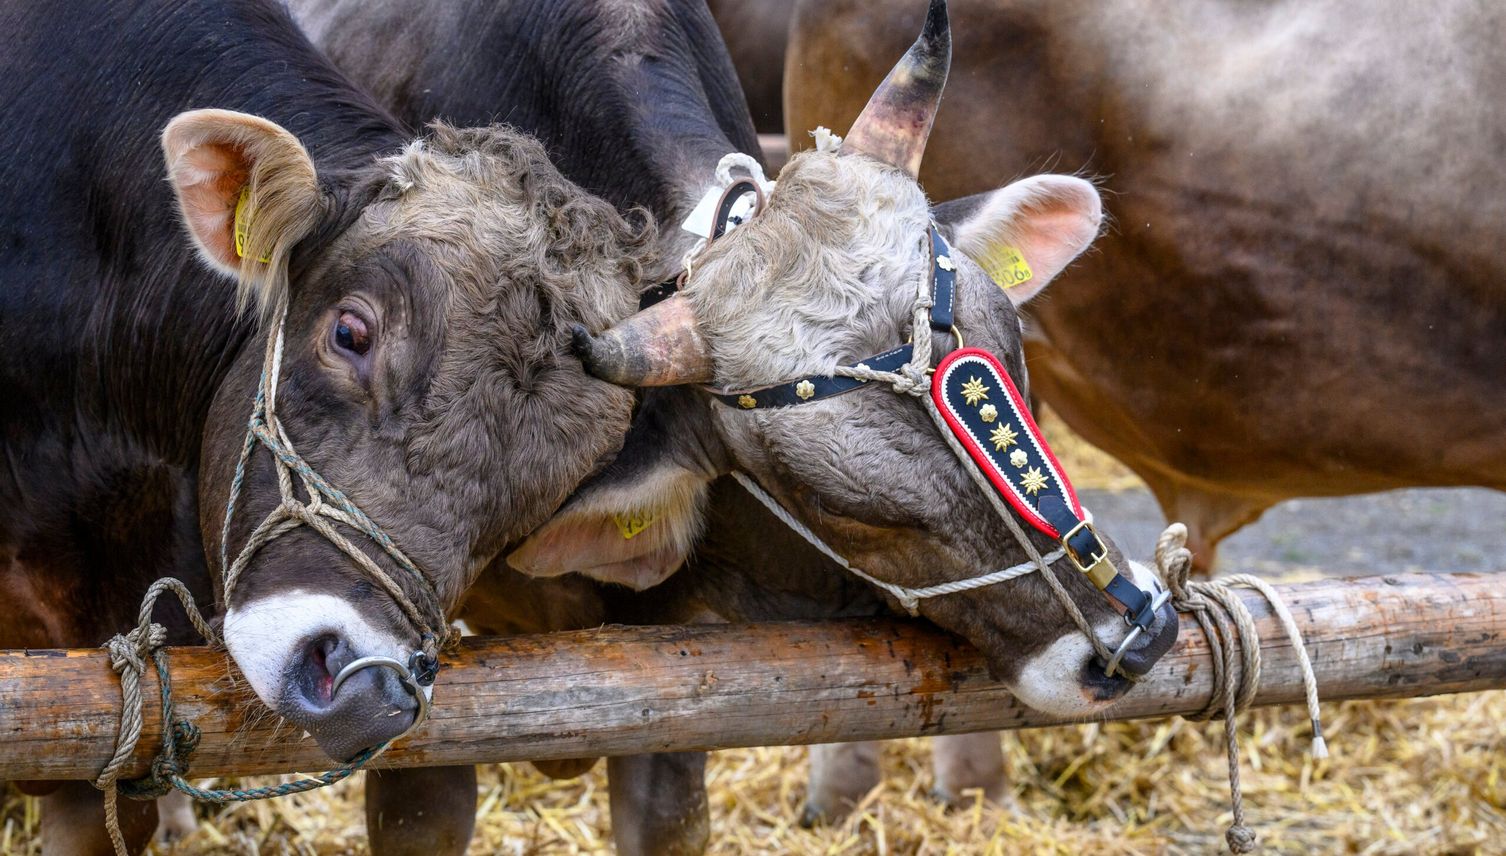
371	707
1149	648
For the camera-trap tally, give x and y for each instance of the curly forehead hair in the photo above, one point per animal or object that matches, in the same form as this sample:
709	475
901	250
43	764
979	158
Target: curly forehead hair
562	227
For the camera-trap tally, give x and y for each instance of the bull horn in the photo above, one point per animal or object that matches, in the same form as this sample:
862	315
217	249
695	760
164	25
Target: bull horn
896	123
659	346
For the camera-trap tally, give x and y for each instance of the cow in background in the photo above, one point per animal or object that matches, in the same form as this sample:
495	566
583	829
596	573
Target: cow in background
1299	294
756	33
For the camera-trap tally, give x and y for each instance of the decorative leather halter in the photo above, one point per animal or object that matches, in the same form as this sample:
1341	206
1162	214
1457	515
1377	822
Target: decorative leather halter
998	435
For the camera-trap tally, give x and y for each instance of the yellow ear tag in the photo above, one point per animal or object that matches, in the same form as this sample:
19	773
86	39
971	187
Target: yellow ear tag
243	226
1006	265
633	525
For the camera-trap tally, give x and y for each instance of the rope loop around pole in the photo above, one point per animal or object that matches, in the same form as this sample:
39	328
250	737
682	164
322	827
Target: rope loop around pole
129	653
1234	647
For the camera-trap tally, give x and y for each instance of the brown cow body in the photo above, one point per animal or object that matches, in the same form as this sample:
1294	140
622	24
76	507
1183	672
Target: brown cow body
756	35
1298	295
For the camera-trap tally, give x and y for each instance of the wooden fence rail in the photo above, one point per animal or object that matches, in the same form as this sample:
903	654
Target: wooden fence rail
625	690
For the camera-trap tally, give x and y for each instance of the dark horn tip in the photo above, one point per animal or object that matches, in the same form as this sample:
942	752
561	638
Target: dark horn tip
937	26
580	341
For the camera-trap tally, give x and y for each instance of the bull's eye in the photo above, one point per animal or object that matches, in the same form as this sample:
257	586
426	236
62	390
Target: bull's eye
351	334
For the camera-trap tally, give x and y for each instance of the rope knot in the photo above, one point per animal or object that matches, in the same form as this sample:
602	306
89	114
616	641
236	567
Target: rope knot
1241	839
128	651
911	380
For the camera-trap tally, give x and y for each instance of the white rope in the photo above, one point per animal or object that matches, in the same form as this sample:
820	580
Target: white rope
749	164
1294	636
909	598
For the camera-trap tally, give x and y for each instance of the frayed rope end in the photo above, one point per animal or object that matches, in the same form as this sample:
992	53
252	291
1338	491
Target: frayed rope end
1320	746
826	141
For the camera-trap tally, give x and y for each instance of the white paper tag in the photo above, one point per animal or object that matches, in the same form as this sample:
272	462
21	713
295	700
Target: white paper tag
700	220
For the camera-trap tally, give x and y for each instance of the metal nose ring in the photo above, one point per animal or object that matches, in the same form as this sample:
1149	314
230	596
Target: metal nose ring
1135	633
404	676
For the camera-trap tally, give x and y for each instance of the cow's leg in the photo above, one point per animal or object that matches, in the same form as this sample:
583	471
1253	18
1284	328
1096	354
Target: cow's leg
175	820
1210	517
841	775
422	811
73	822
659	804
969	762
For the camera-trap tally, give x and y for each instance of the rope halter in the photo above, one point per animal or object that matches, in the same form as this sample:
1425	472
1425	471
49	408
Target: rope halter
325	507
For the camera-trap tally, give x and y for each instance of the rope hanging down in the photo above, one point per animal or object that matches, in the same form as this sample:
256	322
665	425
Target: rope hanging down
129	653
1236	674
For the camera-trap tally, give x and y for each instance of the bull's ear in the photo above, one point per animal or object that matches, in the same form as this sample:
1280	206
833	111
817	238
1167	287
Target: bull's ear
634	523
247	192
1024	234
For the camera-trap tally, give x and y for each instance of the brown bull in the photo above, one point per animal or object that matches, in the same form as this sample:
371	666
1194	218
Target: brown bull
1298	294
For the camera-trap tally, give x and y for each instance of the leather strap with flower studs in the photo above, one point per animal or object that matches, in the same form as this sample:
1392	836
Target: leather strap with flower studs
817	387
983	407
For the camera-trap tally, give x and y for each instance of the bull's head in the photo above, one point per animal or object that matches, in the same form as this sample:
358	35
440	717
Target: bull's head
826	276
426	374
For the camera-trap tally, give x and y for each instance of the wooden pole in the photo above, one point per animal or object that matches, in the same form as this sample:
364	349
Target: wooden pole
626	690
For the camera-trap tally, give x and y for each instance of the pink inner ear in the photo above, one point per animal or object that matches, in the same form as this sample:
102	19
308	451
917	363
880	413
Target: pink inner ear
210	178
1049	220
1052	238
591	544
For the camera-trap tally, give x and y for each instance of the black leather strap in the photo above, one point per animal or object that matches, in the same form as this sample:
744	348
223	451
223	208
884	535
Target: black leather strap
813	388
818	387
943	282
662	291
1087	546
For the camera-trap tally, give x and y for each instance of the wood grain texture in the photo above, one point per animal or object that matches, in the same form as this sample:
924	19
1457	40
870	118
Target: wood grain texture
621	690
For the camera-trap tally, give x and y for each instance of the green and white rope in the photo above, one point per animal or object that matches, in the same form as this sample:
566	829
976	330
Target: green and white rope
129	652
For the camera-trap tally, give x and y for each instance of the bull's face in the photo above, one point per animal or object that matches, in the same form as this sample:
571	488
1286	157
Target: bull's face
426	374
826	276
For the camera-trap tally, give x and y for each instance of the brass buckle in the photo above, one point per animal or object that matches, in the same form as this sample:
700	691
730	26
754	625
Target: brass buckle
1072	554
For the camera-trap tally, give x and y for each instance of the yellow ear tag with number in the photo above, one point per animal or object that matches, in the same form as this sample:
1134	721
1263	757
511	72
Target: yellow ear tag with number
1006	265
633	525
243	226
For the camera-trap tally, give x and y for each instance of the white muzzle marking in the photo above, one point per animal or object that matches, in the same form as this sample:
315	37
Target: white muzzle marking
267	634
1049	681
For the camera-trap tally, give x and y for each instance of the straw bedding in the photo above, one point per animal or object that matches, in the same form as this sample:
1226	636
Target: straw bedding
1416	776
